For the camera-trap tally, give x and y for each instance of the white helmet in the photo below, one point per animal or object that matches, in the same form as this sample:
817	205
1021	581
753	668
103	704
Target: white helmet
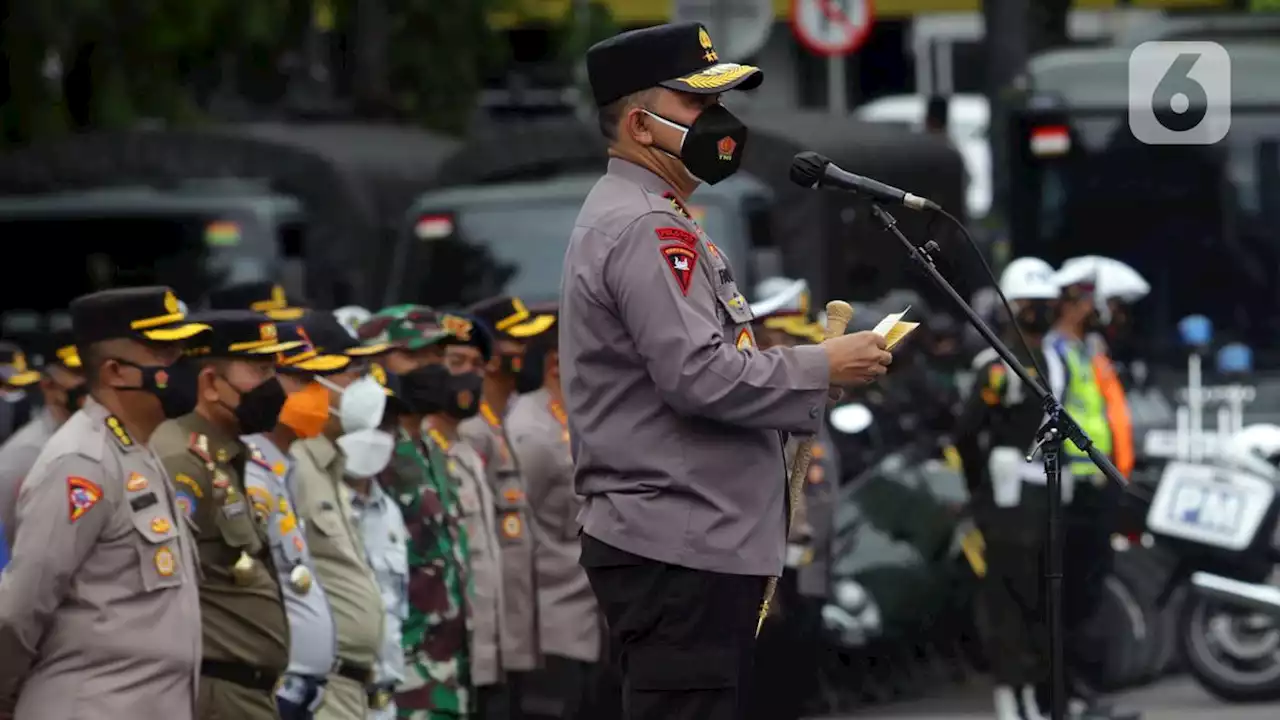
1029	278
1256	447
352	317
779	294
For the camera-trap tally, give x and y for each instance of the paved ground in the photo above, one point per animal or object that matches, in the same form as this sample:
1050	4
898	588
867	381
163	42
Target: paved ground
1172	699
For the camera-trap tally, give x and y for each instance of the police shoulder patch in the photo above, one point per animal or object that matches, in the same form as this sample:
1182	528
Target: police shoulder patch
82	495
675	234
681	261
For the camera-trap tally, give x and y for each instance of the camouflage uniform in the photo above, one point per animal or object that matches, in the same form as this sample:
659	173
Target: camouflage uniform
435	635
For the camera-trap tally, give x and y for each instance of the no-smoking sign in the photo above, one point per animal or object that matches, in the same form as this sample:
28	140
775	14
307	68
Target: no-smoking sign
831	27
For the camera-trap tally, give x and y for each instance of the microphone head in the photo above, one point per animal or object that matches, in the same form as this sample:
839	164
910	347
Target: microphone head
807	167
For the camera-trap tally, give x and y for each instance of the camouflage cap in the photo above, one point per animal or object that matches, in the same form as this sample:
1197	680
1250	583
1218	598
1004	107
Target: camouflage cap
411	327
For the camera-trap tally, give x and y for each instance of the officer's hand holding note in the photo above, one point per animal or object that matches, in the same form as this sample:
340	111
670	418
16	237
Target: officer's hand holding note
893	329
857	359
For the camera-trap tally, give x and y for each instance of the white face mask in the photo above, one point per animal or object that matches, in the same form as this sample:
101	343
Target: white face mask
367	451
363	404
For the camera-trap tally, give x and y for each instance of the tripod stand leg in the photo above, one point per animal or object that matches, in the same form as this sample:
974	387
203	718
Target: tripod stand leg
1051	448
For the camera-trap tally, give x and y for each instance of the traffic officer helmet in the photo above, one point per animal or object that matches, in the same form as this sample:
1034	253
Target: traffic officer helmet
1029	278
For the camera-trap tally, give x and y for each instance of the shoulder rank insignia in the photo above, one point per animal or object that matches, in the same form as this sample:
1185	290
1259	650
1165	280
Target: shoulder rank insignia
116	428
199	446
677	205
257	458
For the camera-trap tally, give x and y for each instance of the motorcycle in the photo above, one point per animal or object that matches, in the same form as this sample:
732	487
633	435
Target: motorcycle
1220	519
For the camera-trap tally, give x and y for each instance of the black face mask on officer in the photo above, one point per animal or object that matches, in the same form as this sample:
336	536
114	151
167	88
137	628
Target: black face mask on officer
1036	316
433	389
713	145
259	408
176	385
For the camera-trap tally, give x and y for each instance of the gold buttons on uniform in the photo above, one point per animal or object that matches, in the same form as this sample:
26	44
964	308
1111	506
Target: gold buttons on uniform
242	571
300	579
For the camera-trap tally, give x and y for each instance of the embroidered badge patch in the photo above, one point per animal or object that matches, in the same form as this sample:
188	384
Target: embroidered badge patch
160	526
681	261
675	234
511	525
744	340
136	483
82	495
165	564
187	482
186	505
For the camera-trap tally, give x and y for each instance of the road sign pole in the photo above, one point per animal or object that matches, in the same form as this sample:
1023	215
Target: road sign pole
837	89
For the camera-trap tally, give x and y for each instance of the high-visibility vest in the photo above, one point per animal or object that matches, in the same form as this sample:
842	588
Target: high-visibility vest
1122	453
1085	401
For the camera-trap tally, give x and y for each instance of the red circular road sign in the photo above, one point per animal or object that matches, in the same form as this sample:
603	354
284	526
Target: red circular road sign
832	27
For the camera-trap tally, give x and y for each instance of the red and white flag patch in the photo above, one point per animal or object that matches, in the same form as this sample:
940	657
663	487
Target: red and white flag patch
675	234
82	495
681	261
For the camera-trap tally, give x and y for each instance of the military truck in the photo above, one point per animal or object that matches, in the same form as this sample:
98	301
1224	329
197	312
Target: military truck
192	237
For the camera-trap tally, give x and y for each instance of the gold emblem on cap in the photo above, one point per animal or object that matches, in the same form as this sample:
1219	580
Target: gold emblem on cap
268	332
704	39
171	303
456	326
19	362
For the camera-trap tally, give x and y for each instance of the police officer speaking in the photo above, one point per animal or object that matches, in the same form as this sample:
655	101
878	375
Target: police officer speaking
246	633
673	413
99	535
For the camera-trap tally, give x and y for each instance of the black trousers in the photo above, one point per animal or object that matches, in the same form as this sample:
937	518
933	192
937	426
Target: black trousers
501	701
788	653
562	689
684	638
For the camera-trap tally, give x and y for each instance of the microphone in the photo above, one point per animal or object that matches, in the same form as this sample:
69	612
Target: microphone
812	170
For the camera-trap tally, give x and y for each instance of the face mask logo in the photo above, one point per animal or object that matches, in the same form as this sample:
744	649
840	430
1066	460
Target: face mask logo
465	399
174	385
162	380
725	147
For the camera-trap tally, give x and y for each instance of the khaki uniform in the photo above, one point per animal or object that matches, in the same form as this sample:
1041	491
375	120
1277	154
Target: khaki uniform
516	540
344	572
570	622
17	455
479	517
98	536
246	633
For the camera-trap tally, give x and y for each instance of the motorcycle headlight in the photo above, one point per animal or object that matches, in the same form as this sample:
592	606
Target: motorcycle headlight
870	619
851	596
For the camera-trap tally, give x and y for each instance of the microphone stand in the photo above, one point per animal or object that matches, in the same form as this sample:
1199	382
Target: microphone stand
1057	428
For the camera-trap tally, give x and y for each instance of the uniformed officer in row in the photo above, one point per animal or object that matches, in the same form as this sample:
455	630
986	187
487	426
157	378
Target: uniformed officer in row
994	433
99	534
16	378
569	619
511	324
437	682
382	529
269	475
260	296
62	384
675	416
448	394
246	634
325	510
786	668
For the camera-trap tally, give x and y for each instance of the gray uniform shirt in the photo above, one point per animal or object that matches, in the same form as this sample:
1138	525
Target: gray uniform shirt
569	617
383	531
313	644
674	412
17	455
99	607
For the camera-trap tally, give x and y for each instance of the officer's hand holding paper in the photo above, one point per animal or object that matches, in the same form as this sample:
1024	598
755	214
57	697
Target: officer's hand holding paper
858	358
893	329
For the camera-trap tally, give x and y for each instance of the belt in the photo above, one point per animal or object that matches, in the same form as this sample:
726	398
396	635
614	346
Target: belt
362	674
241	674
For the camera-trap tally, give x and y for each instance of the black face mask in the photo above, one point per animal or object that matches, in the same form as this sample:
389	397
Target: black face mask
175	385
713	144
433	389
1036	317
259	408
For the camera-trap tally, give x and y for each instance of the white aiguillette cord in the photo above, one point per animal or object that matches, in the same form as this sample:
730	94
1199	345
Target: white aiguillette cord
839	314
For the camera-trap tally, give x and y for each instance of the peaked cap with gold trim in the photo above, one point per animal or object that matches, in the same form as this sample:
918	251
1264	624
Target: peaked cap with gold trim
677	56
508	316
151	313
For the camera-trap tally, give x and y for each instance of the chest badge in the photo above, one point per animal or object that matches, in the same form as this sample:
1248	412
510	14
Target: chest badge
136	483
165	564
300	579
